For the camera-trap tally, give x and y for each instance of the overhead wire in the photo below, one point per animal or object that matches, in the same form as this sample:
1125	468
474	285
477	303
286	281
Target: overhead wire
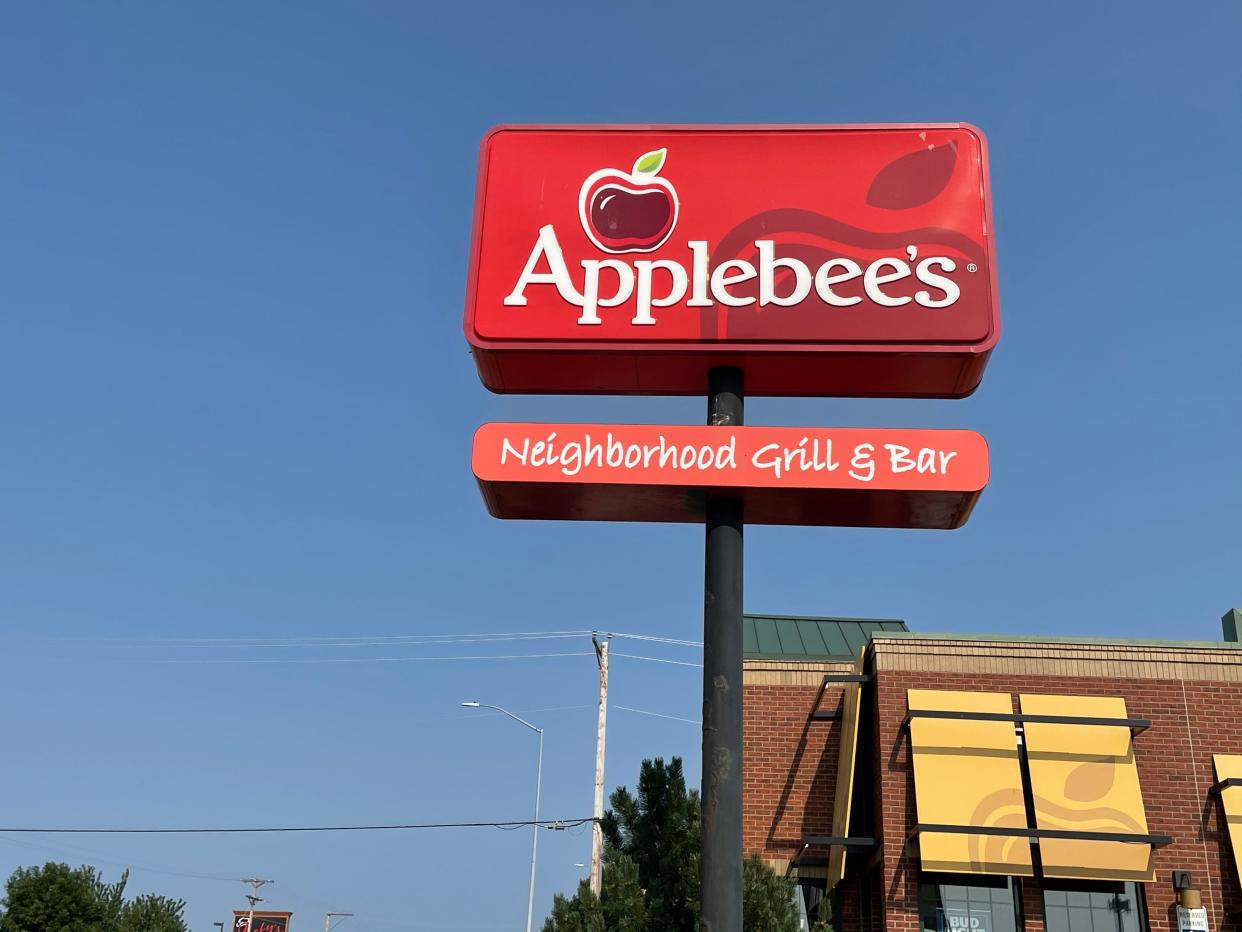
388	641
678	663
239	640
102	859
267	830
375	640
95	858
350	641
410	659
398	659
393	641
675	718
658	639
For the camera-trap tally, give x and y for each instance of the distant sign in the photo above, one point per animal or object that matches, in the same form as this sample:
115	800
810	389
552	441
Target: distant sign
785	475
822	260
263	922
1192	920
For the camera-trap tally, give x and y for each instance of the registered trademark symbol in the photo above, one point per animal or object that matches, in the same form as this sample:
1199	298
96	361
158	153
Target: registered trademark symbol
971	267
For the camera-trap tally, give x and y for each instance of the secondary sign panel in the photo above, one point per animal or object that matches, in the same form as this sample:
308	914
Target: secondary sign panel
263	921
846	260
785	475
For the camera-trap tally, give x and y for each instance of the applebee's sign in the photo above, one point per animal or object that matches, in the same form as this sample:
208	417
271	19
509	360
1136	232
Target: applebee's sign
822	260
636	212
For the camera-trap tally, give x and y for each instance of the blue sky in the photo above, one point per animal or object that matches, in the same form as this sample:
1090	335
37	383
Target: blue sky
236	403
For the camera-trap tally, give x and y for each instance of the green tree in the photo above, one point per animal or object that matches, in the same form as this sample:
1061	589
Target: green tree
60	898
768	898
659	831
625	905
150	913
651	867
621	908
582	912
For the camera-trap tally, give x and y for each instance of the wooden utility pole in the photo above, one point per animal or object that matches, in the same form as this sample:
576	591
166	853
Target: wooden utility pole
597	831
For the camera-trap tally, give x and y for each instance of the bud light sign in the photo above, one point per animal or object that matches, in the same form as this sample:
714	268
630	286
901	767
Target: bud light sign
821	260
961	920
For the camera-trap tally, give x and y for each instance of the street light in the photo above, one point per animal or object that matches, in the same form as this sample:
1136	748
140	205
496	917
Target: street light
534	829
254	898
329	925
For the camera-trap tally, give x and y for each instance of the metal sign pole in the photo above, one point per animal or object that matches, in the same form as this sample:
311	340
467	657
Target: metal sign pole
721	894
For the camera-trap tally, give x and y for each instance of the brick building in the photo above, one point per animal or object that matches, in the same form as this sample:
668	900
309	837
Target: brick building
994	783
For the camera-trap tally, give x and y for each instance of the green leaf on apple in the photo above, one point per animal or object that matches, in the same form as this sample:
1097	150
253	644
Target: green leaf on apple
650	163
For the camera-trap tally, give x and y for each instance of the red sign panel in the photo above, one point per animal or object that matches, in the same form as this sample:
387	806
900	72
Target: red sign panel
849	260
785	475
263	922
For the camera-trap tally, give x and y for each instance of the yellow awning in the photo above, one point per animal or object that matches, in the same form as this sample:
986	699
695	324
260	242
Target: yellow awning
844	792
1230	765
967	773
1083	778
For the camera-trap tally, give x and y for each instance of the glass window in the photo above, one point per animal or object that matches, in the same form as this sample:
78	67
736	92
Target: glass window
1101	907
977	904
818	907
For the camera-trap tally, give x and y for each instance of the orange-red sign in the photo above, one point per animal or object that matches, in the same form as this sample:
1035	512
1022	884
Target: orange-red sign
785	475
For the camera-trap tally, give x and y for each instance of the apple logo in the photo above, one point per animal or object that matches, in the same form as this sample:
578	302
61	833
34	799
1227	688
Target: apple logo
629	212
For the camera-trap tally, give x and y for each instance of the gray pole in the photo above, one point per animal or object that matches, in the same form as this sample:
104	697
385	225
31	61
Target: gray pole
534	837
721	904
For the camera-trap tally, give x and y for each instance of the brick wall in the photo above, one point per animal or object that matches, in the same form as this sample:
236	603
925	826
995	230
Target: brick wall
789	761
1191	697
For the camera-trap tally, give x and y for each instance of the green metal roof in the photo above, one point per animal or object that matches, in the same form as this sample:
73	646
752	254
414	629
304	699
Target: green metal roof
789	637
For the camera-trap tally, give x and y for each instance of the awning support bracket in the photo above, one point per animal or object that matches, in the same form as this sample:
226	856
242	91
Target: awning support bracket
828	841
848	678
1224	784
1136	725
830	715
1035	834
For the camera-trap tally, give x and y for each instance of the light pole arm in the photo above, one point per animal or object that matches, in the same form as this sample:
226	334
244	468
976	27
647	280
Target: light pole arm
517	719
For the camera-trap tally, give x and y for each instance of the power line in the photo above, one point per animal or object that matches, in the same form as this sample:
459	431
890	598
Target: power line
679	663
453	636
556	824
675	718
95	857
64	849
421	659
400	659
394	641
378	639
660	640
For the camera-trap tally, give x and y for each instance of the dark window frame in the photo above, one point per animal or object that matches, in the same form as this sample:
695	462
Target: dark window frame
1142	916
989	881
